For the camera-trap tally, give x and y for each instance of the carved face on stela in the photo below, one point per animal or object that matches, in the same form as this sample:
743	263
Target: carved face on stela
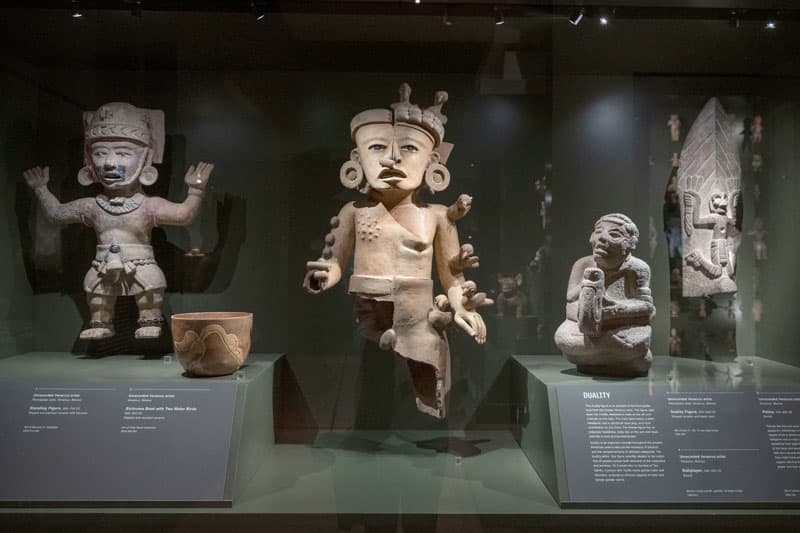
719	204
612	241
394	155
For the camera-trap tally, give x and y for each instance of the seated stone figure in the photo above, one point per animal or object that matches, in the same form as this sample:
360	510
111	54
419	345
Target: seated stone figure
609	305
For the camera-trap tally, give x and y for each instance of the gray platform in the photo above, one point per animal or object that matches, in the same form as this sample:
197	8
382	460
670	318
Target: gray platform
123	430
692	433
387	481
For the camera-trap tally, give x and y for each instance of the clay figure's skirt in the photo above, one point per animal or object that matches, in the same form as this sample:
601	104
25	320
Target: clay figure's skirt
620	351
414	337
123	270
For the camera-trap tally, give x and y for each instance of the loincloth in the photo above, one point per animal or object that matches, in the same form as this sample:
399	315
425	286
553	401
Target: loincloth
123	270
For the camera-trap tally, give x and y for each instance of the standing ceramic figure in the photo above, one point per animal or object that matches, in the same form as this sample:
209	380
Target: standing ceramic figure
609	304
395	237
122	142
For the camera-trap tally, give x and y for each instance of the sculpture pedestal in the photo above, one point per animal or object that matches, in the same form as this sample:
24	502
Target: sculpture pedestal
690	433
126	431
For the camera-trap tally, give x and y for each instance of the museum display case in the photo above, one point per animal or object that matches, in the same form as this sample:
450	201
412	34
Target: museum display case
417	265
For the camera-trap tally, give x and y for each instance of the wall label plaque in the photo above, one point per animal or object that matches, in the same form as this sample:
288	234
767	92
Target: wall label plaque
116	442
643	443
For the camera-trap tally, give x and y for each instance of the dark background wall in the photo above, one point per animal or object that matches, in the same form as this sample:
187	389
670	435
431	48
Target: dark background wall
270	103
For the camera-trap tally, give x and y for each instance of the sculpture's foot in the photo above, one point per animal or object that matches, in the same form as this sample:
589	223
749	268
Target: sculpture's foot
96	333
148	332
387	340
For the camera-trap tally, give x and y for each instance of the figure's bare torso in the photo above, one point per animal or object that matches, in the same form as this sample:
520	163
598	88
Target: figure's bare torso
396	243
125	228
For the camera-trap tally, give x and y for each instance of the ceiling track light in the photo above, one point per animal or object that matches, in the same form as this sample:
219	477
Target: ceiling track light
258	12
734	21
771	24
576	16
76	10
417	2
446	18
499	19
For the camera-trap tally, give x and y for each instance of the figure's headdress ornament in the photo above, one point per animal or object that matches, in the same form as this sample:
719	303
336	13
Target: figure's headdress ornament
120	121
430	120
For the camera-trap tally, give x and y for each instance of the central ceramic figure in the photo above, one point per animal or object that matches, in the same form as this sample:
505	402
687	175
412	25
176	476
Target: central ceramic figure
396	236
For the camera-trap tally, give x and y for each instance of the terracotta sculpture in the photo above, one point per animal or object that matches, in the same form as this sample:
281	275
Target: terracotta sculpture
709	181
395	237
759	235
511	296
757	129
674	342
609	304
122	142
674	124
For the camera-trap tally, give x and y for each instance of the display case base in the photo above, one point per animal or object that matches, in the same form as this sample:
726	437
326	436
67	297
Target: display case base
128	431
690	434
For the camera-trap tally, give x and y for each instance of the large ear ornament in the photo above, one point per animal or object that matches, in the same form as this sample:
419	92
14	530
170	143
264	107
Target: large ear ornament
351	174
437	177
85	176
148	176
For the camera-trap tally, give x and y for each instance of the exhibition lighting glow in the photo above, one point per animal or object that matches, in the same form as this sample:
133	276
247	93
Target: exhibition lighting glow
499	19
261	16
576	17
76	10
604	21
446	19
771	25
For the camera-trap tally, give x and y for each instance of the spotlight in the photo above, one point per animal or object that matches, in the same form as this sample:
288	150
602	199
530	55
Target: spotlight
603	20
734	21
771	25
417	1
258	12
76	10
499	19
576	16
446	19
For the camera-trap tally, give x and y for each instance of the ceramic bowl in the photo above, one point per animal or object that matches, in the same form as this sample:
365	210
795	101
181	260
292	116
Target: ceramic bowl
212	343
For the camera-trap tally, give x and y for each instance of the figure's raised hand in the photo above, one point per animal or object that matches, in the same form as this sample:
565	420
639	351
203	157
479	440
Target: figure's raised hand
472	323
37	177
197	177
317	274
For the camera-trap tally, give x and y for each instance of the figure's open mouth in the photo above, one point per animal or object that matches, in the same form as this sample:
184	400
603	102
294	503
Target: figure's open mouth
112	176
392	175
602	252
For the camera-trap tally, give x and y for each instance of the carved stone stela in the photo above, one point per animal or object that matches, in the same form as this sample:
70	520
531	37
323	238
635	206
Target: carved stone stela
709	188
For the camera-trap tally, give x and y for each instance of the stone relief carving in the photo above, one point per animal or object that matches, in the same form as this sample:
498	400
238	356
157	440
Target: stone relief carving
609	304
709	182
121	145
395	237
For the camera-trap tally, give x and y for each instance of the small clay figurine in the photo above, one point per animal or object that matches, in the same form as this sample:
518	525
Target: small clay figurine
395	237
674	124
609	304
759	235
122	142
511	295
674	342
756	129
653	236
756	163
758	310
